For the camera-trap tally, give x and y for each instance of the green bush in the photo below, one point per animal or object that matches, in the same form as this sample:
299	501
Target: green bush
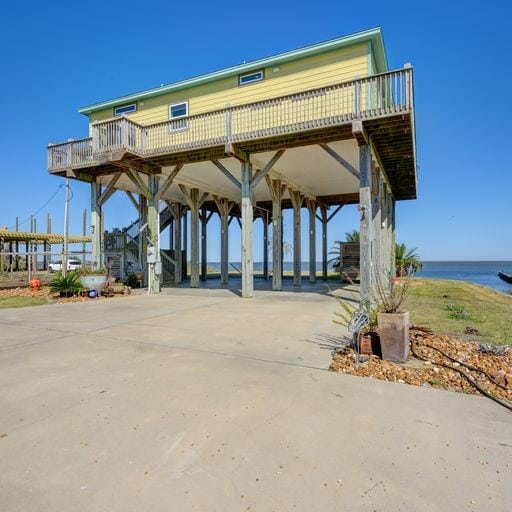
66	286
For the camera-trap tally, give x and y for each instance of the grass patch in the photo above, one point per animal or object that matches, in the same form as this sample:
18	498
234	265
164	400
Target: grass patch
450	306
21	302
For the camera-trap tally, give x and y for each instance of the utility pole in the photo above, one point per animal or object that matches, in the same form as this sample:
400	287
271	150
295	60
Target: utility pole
66	231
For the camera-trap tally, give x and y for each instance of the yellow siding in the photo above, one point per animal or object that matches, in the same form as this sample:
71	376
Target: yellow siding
308	73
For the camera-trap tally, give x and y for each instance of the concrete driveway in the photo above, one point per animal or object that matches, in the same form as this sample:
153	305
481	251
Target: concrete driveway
196	400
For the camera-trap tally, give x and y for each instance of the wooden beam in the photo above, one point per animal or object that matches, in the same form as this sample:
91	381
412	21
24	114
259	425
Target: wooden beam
226	173
136	179
261	173
234	151
168	181
109	190
359	132
351	169
132	199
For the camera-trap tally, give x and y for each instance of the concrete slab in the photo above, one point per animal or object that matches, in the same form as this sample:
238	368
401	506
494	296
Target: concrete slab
197	400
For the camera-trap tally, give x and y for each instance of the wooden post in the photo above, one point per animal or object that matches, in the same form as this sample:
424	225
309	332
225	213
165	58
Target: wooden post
377	263
171	235
177	211
365	207
224	207
143	218
84	233
311	205
264	218
194	200
96	226
296	199
247	227
155	274
323	213
204	245
16	249
276	189
393	237
185	243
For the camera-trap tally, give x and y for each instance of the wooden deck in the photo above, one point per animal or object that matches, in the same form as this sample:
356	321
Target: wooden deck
384	103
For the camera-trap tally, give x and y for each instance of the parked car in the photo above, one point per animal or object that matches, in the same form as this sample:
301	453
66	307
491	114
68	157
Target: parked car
56	266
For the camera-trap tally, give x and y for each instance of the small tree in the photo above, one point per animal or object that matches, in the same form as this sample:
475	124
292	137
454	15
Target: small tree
352	236
407	261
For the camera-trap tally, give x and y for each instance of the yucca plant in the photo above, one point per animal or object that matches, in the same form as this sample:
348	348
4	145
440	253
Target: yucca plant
66	286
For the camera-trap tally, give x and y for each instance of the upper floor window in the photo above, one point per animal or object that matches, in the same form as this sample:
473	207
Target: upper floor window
249	78
125	109
178	112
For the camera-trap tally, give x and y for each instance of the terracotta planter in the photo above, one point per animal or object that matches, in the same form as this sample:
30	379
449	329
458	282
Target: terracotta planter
394	335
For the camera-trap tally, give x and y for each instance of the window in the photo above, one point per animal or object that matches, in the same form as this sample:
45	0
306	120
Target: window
178	112
249	78
125	109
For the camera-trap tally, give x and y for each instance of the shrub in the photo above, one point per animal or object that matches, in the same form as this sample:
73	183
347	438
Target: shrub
66	286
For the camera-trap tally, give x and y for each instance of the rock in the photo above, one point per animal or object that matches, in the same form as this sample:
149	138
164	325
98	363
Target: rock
501	377
508	380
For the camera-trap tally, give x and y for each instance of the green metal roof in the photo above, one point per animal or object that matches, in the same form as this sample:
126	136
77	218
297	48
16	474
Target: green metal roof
372	36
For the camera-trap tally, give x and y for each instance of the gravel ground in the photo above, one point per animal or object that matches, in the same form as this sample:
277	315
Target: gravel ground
426	369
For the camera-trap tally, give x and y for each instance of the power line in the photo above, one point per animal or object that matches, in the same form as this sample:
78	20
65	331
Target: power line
42	207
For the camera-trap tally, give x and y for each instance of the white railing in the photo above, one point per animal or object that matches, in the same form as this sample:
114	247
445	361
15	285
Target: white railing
365	98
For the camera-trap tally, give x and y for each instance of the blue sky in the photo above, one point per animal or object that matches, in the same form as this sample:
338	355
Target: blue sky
58	56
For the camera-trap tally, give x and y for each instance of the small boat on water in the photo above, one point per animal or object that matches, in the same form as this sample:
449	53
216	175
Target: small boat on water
505	277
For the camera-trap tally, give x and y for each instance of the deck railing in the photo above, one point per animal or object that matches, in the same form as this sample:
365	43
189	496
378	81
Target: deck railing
365	98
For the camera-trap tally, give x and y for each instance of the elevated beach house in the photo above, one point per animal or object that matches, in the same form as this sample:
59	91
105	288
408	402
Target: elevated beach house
316	128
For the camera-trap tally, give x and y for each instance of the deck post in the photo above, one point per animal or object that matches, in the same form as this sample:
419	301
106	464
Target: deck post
97	227
264	218
204	245
393	237
276	189
184	245
224	206
153	220
386	231
177	211
323	218
247	230
194	200
143	218
311	205
365	208
376	239
296	199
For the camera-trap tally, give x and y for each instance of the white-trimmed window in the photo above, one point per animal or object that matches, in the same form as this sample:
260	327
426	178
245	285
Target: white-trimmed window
249	78
178	114
125	109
